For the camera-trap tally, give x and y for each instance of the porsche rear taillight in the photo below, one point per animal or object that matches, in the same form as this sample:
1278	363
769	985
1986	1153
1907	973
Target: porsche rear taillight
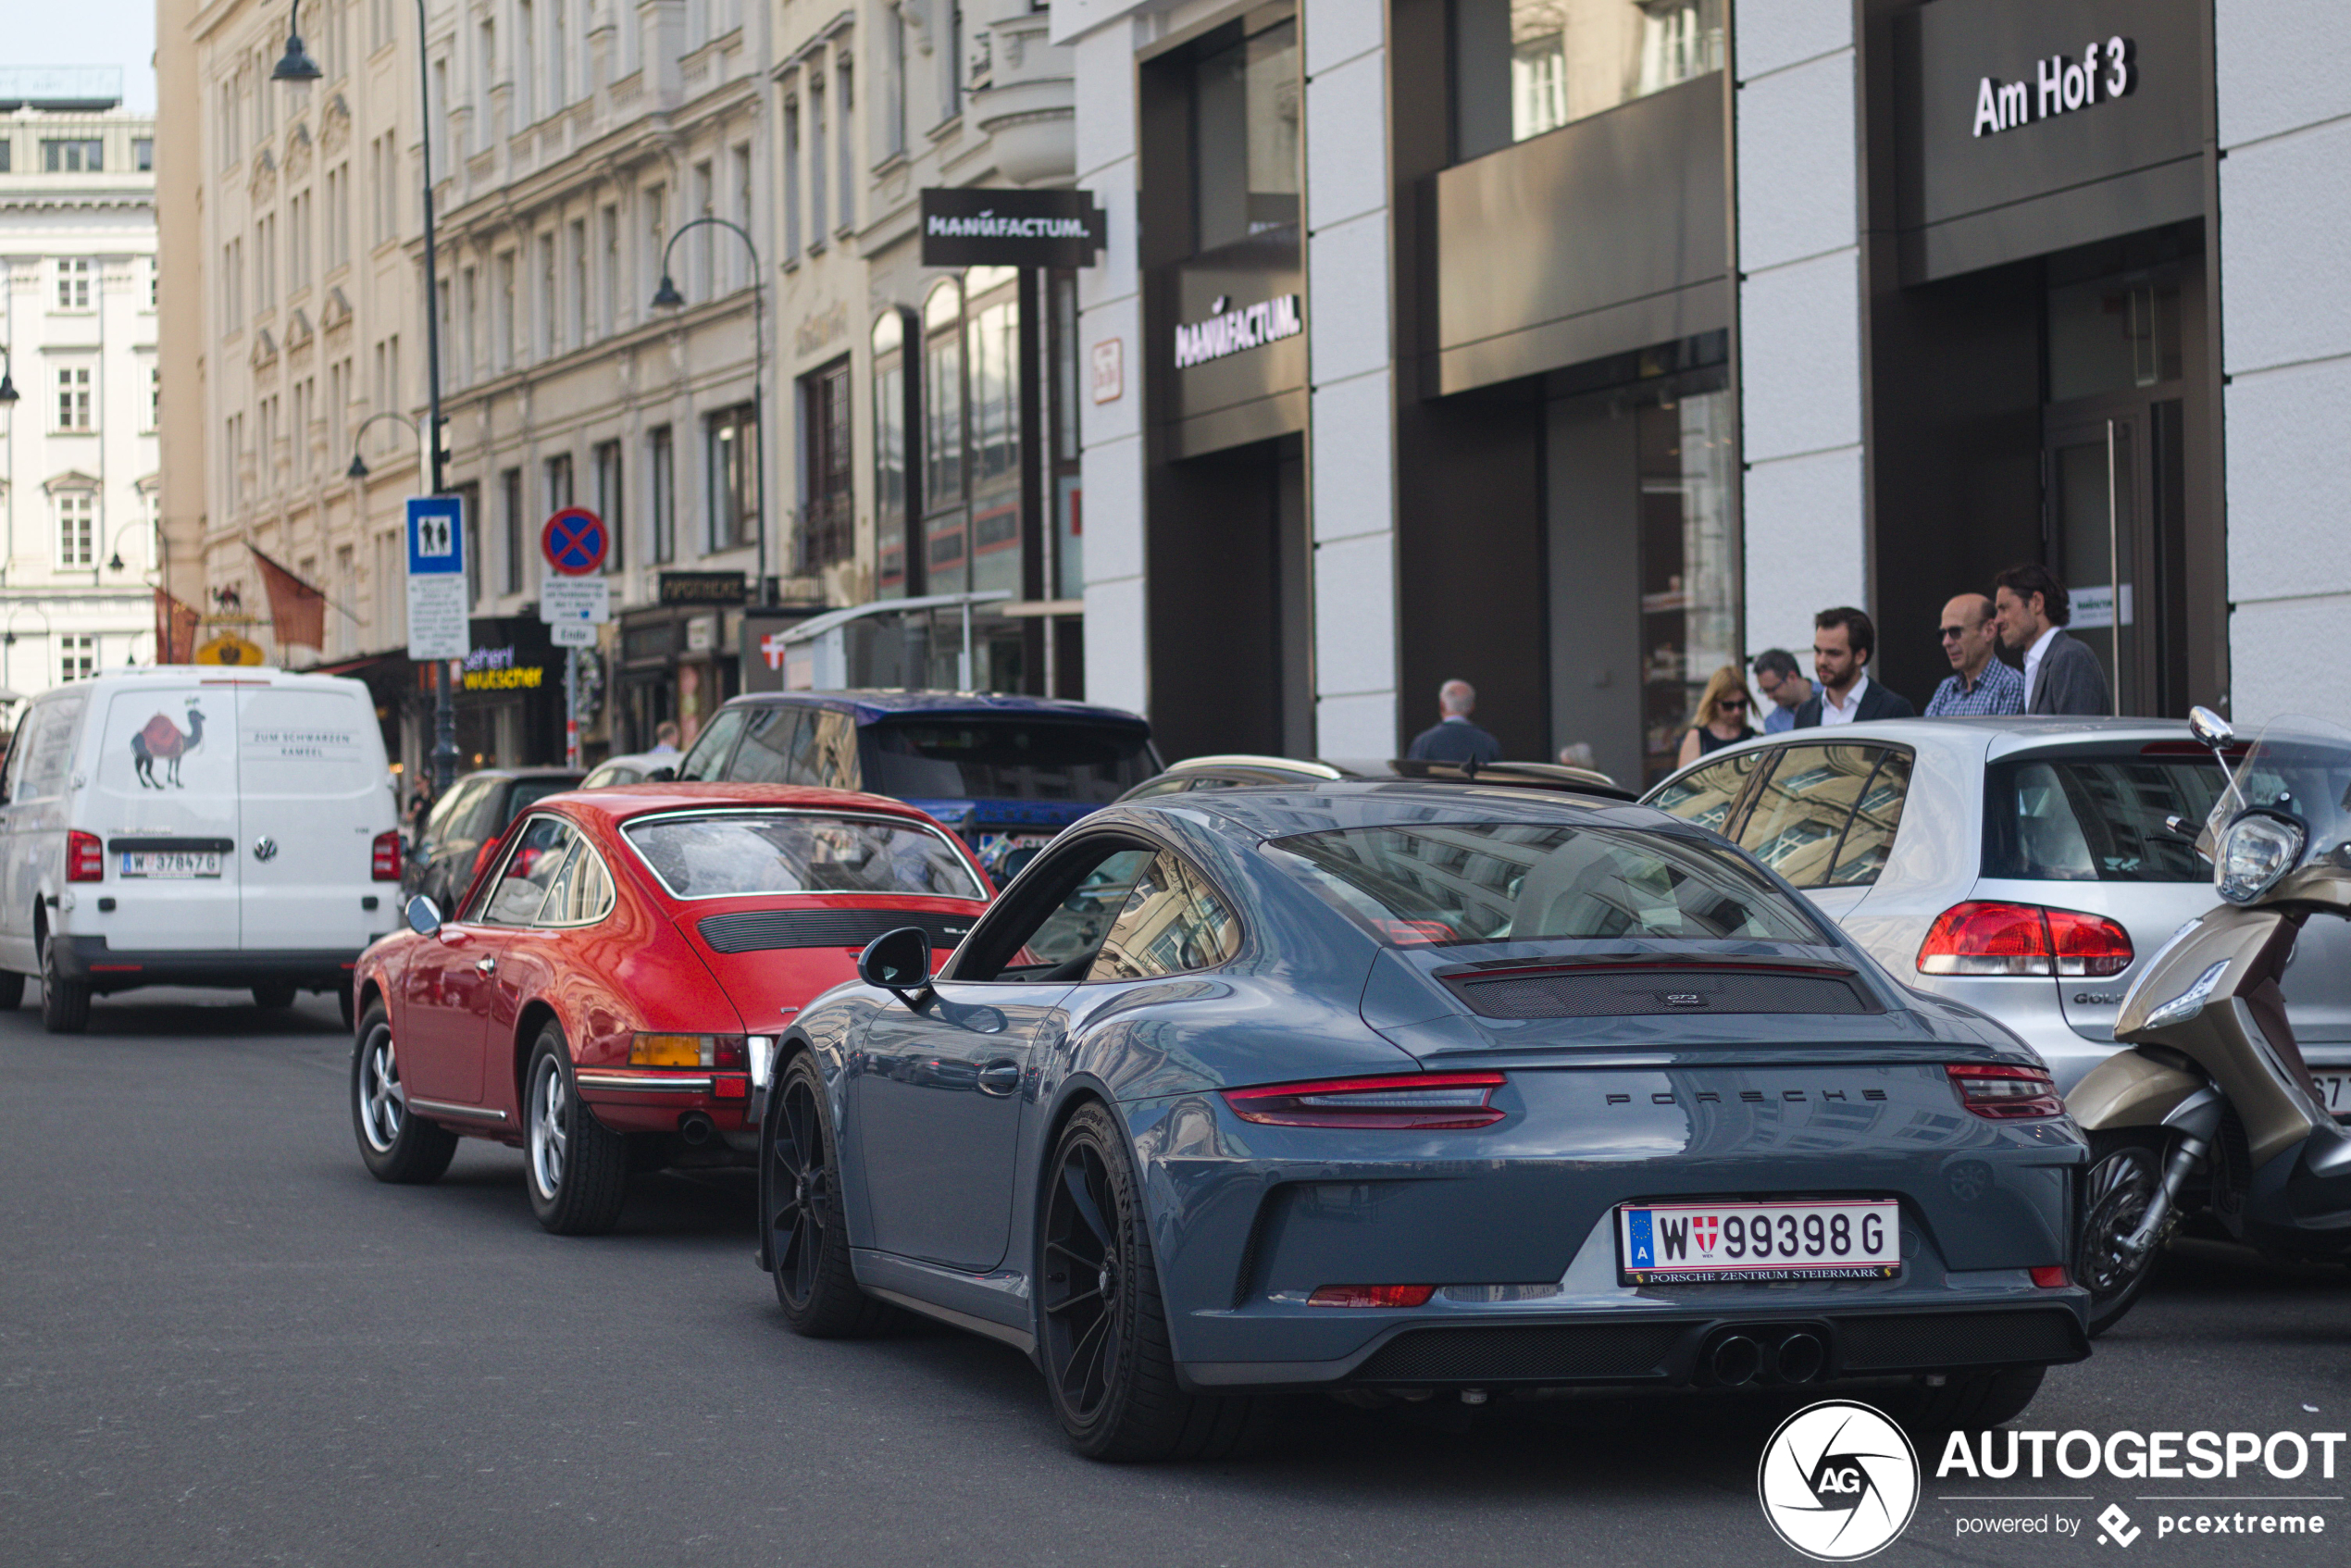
85	857
1426	1101
384	864
688	1050
1986	938
2005	1094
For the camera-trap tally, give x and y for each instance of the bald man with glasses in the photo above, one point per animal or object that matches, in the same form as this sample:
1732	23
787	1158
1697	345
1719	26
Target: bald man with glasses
1979	682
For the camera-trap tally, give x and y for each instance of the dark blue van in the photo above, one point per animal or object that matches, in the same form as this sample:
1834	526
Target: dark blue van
1007	773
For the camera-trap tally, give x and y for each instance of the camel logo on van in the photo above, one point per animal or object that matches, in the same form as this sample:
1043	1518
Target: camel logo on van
160	740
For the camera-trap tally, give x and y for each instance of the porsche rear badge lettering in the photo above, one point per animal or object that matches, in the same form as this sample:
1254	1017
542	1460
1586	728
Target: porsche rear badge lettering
1683	999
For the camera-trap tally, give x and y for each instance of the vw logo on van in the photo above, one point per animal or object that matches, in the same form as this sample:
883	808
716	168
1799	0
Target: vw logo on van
265	848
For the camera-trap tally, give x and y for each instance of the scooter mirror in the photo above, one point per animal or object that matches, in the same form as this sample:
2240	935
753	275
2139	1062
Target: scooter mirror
2210	727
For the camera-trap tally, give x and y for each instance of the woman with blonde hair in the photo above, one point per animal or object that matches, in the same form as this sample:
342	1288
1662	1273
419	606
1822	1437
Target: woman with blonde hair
1722	716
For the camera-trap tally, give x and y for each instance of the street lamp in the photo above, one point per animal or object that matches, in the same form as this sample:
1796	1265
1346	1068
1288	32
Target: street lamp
297	66
114	554
666	297
7	382
358	469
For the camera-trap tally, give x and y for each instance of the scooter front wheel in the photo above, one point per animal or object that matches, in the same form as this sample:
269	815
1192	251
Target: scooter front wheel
2126	1171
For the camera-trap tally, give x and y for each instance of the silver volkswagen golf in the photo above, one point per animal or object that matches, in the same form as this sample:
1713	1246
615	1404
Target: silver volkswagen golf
2024	866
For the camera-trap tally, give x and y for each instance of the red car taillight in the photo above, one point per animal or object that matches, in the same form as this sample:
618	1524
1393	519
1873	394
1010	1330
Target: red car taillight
2023	939
2005	1094
1412	1101
384	864
85	857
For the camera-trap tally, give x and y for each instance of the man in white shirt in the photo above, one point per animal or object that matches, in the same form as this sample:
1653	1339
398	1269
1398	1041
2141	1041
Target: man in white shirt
1842	641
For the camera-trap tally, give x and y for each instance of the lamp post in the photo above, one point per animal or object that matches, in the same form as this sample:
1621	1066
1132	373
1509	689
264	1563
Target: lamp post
297	66
114	546
666	297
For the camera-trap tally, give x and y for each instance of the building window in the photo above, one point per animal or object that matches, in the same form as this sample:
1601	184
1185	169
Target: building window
77	656
702	250
77	528
894	81
611	504
142	154
154	283
469	508
661	494
1245	103
73	283
734	477
7	151
298	241
815	161
889	455
578	241
155	399
944	559
844	101
610	322
549	337
510	503
1522	68
558	472
792	180
740	266
950	61
75	157
74	410
656	232
502	318
827	509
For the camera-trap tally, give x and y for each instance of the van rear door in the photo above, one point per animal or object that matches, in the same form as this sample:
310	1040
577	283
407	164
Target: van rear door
165	803
315	797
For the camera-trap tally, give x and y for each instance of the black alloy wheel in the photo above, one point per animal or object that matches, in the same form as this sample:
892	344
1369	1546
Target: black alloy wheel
799	1195
2126	1171
1105	1350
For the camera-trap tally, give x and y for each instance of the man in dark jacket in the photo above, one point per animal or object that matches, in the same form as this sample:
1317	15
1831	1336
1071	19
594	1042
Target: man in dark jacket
1843	639
1454	738
2061	675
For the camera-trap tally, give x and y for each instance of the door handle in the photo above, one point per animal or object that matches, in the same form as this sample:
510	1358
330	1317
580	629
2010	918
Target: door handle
487	965
1000	1078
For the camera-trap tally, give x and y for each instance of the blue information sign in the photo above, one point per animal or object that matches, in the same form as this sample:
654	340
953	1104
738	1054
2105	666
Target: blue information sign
436	535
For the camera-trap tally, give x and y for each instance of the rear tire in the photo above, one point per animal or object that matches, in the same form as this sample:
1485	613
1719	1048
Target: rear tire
2125	1171
344	1003
807	1243
11	990
575	1168
1969	1400
65	1004
274	995
1104	1346
396	1146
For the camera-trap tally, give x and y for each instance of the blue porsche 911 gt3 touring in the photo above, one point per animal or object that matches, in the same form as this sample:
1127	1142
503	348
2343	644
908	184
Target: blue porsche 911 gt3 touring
1414	1089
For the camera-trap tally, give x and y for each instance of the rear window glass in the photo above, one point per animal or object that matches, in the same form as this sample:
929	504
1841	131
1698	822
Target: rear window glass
1007	759
1516	881
2097	818
729	854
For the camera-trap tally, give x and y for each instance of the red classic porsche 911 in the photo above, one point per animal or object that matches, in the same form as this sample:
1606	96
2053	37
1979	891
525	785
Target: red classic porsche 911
624	957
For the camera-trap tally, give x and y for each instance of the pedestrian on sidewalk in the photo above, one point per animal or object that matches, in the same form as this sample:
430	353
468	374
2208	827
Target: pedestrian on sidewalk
1784	687
665	740
1980	681
1842	641
1721	717
2062	676
1454	738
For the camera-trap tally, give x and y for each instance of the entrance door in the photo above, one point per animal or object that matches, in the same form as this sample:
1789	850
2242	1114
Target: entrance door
2096	536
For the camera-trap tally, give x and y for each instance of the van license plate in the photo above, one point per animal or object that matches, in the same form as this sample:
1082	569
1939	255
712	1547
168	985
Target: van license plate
1800	1238
160	864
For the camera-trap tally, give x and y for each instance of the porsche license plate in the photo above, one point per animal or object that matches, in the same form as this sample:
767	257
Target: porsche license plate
1685	1243
170	862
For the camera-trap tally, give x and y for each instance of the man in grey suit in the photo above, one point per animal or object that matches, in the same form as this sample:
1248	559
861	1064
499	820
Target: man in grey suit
2062	676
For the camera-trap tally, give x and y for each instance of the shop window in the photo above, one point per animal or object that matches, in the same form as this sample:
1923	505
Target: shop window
733	443
1246	130
1522	68
1689	565
890	454
991	359
944	559
827	511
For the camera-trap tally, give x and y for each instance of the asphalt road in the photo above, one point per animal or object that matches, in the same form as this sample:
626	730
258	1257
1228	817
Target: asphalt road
222	1342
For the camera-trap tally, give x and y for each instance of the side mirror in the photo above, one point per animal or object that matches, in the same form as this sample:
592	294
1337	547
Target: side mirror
899	962
423	916
2210	727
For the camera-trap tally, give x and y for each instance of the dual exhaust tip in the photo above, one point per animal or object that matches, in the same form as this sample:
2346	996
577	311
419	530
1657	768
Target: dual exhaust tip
1797	1356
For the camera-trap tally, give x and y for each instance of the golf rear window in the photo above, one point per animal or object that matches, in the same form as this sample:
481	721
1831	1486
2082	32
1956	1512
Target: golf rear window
734	855
2097	818
1006	759
1441	883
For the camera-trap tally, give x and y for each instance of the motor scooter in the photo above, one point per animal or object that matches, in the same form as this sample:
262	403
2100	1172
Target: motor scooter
2212	1109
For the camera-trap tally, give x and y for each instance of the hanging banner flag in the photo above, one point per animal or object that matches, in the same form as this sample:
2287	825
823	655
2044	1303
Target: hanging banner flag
176	627
297	610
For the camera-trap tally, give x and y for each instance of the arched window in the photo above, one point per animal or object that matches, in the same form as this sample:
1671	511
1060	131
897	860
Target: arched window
890	454
943	512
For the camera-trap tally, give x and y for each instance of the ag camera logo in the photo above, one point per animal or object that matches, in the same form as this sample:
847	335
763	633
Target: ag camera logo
1838	1481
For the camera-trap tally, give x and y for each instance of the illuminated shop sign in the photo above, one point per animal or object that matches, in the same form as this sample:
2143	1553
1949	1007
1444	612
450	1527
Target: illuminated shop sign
2061	84
1236	330
493	669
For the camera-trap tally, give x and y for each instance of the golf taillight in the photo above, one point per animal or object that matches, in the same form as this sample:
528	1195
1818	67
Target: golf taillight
1371	1296
85	857
1410	1101
384	864
1985	937
2005	1094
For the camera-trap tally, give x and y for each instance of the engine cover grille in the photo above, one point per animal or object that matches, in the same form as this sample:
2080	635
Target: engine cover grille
765	929
1603	993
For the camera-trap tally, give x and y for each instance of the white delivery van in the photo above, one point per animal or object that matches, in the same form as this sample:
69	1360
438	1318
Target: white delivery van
187	826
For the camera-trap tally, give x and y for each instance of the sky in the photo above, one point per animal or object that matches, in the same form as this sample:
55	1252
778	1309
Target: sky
87	32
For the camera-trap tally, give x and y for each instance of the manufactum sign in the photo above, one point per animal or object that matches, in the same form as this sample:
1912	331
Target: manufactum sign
1236	330
975	226
2061	84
